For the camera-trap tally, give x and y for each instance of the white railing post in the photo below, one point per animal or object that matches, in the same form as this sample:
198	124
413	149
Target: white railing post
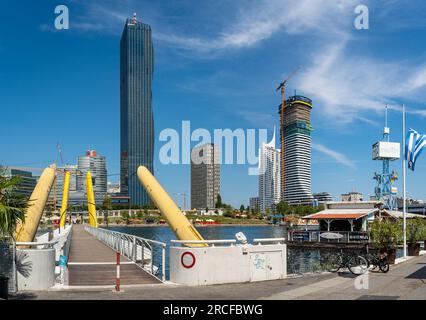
143	253
163	262
152	261
134	249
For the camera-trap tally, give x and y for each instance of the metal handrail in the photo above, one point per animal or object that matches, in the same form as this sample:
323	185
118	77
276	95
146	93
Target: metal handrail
261	240
212	242
128	246
33	244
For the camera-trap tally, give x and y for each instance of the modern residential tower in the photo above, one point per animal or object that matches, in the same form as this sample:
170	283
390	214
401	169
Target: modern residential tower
136	115
205	176
296	160
269	176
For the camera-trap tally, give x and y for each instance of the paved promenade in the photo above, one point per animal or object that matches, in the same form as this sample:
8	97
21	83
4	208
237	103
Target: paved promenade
404	281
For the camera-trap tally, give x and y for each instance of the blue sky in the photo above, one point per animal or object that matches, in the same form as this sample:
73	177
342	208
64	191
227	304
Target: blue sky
217	64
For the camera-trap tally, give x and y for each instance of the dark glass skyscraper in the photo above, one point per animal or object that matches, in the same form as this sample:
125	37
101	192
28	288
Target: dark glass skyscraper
137	123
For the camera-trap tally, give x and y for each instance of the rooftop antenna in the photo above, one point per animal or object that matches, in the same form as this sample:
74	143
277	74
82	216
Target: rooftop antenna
134	20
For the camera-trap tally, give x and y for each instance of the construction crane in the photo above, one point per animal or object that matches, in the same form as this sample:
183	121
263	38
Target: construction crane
281	88
183	195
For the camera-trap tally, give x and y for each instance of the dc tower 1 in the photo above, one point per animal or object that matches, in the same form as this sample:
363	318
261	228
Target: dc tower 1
136	116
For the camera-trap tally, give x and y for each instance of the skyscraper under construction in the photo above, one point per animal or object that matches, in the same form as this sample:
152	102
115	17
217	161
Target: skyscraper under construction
296	150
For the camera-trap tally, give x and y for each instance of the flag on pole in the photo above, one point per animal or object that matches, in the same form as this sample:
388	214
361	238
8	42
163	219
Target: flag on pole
415	143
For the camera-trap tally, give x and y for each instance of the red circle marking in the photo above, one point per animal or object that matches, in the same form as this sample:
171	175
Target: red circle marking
187	259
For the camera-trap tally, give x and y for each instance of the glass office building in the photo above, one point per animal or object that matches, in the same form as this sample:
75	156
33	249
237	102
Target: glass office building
96	164
137	123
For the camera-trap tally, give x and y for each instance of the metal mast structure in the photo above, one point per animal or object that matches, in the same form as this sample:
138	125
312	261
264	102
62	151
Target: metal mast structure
386	151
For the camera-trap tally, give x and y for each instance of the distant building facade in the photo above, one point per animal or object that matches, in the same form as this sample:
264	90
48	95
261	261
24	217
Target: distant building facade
323	197
113	188
59	182
254	204
352	196
27	184
269	176
136	115
205	176
96	164
296	151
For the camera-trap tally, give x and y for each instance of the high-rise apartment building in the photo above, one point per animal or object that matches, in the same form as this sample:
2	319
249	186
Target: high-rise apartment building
269	177
254	204
136	116
205	176
296	161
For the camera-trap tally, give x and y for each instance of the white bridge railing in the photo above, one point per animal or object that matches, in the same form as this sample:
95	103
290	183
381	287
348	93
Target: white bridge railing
139	250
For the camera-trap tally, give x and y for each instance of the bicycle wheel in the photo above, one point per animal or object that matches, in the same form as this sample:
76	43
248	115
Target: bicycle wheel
334	263
384	266
358	265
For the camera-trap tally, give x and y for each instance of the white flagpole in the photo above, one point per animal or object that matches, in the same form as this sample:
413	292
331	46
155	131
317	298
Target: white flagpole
403	184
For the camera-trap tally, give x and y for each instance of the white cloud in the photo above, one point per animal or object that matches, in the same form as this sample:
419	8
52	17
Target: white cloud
349	86
337	156
259	20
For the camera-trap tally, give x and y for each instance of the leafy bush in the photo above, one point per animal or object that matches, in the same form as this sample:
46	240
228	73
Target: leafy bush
416	230
386	234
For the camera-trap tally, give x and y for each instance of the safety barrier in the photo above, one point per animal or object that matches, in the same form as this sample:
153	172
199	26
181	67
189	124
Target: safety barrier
139	250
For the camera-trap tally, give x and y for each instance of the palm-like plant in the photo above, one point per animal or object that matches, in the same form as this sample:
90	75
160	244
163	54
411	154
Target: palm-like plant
13	206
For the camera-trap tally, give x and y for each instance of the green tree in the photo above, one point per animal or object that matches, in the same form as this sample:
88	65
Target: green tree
125	216
283	208
139	214
242	208
107	203
12	205
227	213
106	206
218	201
149	206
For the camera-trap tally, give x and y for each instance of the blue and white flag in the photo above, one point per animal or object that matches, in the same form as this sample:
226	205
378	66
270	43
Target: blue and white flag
415	143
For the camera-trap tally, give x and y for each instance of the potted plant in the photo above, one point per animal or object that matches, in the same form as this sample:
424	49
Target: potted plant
386	235
415	233
12	211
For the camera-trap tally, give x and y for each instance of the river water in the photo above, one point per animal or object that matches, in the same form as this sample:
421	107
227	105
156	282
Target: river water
299	260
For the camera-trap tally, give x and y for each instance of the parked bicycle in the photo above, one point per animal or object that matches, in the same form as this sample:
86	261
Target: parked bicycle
355	263
378	260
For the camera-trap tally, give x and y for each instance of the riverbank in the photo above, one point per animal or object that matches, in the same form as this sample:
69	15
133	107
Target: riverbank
196	225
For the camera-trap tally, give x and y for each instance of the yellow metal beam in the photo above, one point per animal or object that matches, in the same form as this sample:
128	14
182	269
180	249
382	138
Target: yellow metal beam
26	232
64	206
93	221
177	221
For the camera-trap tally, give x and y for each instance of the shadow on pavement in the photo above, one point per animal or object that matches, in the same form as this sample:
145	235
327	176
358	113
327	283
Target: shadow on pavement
419	274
